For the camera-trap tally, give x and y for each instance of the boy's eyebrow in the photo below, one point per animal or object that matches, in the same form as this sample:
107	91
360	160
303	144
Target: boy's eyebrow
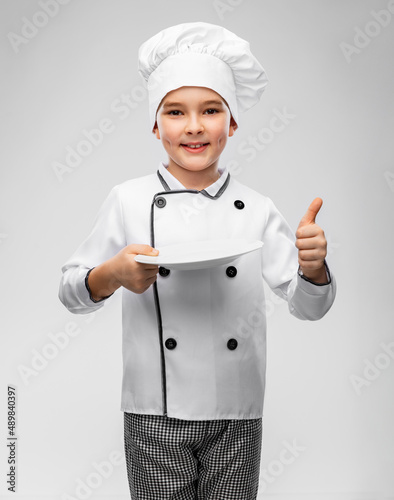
213	103
170	104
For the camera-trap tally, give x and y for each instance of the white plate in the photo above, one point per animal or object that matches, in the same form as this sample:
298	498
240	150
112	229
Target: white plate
200	254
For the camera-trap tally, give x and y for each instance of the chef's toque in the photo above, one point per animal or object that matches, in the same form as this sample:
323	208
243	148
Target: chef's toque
201	55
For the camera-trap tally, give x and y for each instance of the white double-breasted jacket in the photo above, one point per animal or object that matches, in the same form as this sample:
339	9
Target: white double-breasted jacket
194	343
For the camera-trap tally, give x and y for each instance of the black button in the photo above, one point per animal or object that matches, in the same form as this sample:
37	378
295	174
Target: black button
239	204
164	272
231	271
160	202
170	344
232	344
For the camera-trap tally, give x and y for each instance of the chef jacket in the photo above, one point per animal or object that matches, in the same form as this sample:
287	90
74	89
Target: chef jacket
194	343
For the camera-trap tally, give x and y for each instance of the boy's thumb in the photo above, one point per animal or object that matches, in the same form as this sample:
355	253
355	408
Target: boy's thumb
311	213
142	250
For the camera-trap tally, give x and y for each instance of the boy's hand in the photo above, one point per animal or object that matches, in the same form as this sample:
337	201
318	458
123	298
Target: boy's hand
312	245
134	276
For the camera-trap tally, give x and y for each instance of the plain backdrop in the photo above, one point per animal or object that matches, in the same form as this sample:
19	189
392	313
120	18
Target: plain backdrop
329	383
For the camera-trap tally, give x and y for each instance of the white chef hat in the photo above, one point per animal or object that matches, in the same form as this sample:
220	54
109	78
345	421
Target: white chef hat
201	55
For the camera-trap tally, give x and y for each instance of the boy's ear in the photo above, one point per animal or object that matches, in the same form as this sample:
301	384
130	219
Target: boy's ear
156	131
233	127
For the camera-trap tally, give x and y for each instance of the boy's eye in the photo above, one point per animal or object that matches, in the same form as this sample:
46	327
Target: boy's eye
211	111
174	112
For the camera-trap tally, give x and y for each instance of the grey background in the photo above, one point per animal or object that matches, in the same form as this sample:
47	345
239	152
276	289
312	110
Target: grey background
338	145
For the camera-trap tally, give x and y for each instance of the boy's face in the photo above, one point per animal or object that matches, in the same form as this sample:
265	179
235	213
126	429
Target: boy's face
193	123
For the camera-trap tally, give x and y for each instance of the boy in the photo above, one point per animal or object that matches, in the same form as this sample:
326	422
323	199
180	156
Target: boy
194	340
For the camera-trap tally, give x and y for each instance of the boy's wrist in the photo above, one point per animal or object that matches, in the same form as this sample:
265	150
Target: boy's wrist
318	276
101	281
113	272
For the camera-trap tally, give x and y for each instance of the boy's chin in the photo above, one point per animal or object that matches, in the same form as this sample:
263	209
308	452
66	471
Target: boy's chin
194	165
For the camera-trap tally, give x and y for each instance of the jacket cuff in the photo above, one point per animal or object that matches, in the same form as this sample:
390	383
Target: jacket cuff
90	291
301	275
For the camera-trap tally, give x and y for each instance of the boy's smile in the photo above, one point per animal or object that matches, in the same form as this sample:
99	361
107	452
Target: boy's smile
193	124
198	147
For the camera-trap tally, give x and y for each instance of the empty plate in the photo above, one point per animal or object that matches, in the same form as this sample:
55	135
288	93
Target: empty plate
200	254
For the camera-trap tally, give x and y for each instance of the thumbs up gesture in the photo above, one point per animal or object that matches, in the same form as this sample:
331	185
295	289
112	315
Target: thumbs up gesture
312	245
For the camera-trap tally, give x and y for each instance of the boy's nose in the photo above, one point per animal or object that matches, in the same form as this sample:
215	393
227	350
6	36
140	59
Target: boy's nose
194	126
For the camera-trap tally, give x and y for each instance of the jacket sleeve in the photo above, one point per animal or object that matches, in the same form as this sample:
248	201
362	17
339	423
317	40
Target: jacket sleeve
106	239
306	300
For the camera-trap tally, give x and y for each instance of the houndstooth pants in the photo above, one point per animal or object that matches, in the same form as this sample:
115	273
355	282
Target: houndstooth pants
171	459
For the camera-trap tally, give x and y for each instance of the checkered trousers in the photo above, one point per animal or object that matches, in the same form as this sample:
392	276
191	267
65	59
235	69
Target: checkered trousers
175	459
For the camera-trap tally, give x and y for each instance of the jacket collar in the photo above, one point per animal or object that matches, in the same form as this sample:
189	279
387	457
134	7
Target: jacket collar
171	183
